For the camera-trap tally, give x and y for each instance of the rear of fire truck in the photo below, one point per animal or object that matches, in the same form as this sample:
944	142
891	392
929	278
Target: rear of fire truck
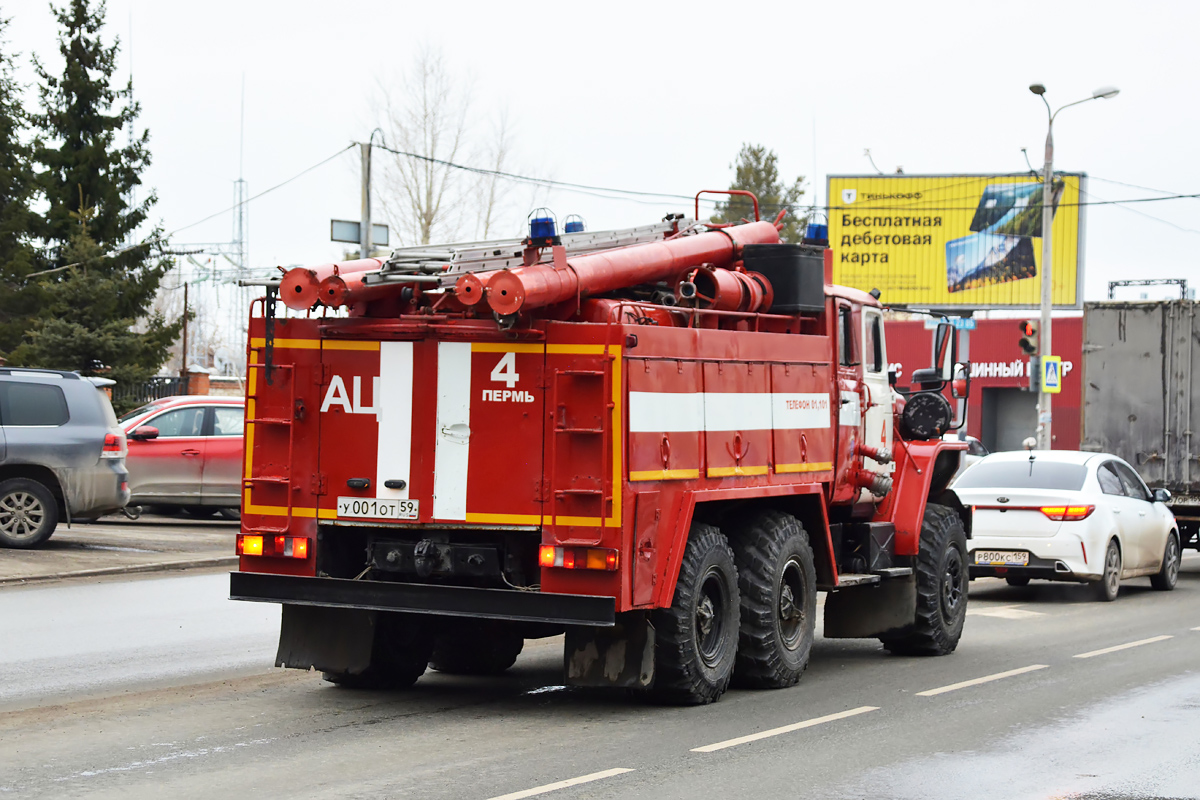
582	435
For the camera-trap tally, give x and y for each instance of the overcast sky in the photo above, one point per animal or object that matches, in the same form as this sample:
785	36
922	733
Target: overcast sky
659	97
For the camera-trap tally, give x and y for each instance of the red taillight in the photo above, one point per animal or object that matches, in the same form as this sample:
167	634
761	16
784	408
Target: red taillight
1067	513
578	557
114	445
285	546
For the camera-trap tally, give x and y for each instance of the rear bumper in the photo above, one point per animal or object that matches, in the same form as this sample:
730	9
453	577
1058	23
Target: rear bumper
95	491
1058	557
417	598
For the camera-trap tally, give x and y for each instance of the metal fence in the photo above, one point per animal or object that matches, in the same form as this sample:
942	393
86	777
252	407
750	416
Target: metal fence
140	393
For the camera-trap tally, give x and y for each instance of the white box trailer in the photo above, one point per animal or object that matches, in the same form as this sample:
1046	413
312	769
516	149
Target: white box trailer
1141	396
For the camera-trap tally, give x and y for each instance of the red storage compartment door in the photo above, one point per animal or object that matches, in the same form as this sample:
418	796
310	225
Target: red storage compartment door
502	452
737	419
802	415
666	416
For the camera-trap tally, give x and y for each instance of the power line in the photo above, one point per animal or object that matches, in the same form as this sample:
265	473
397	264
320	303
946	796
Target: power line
530	179
1143	213
300	174
1132	185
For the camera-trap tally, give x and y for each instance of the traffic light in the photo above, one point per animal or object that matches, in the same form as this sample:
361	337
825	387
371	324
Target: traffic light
1029	336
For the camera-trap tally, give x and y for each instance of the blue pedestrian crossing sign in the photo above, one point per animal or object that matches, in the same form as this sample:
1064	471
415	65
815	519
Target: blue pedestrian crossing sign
1052	374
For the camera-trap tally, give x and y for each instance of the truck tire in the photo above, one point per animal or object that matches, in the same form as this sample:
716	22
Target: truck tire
1109	585
399	655
941	574
777	581
1168	575
696	638
477	650
28	513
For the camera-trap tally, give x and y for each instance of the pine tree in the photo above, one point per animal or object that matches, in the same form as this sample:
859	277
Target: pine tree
19	299
84	329
757	170
87	180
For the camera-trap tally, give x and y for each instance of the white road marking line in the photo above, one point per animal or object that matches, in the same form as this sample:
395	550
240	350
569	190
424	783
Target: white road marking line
553	787
1197	628
1004	612
985	679
1125	646
808	723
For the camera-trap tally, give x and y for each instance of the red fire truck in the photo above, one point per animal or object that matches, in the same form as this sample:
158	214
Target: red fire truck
661	442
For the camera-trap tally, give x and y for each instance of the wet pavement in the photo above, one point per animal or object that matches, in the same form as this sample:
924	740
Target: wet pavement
69	641
116	545
161	687
1143	745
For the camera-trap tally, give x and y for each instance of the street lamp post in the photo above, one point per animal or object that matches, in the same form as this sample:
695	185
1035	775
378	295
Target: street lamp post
1044	416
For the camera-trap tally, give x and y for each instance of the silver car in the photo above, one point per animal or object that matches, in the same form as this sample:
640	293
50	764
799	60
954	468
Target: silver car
62	454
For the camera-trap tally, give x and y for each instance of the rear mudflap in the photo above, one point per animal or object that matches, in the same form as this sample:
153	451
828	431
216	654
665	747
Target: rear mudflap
326	639
622	655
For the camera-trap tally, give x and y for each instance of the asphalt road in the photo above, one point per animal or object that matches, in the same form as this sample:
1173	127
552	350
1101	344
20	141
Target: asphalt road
157	687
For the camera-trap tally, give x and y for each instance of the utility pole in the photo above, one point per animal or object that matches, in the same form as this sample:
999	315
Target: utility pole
1045	437
184	346
1045	440
364	232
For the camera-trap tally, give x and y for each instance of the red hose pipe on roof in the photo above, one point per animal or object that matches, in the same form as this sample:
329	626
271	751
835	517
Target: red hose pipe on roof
539	285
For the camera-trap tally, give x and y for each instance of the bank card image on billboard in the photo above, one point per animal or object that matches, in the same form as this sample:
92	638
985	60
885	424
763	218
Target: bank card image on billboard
960	240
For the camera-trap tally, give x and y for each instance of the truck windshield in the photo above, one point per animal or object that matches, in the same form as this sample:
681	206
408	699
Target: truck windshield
1023	475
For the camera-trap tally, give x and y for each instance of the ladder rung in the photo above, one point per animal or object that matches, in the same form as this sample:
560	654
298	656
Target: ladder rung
269	421
579	491
579	430
269	479
595	373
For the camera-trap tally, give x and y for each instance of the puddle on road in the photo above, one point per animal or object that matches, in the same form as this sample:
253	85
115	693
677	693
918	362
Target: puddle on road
1143	746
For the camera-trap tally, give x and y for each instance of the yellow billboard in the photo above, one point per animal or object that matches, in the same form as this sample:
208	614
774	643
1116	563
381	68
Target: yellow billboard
955	240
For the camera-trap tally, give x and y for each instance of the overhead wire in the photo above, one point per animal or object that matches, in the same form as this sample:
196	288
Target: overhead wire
1119	204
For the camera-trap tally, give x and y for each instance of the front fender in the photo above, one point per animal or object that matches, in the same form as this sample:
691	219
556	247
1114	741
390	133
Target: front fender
922	474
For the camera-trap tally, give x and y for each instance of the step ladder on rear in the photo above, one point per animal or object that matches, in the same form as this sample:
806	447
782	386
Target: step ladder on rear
271	427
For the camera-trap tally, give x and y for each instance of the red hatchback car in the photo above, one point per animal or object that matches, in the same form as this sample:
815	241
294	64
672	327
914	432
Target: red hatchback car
186	451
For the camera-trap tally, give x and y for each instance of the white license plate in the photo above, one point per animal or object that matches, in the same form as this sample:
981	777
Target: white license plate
376	508
1001	558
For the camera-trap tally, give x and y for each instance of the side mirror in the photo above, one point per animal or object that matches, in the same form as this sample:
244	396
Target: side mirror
144	432
893	377
960	387
1162	496
945	350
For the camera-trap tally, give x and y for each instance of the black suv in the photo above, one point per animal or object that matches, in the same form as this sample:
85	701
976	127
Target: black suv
62	453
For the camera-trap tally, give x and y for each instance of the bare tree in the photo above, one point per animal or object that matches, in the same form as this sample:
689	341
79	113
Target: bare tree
489	192
432	117
428	117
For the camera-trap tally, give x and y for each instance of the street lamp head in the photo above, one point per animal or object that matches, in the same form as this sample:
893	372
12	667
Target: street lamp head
1037	88
1105	92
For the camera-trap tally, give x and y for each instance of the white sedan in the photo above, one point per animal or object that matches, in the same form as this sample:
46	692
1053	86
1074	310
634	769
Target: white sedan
1068	515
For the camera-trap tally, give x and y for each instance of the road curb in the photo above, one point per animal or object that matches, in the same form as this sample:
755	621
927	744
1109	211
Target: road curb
162	566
